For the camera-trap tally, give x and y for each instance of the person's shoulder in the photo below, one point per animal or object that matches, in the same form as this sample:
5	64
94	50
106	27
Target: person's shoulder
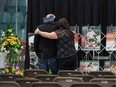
41	25
55	24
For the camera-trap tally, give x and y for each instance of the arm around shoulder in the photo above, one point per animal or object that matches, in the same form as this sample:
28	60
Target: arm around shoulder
51	35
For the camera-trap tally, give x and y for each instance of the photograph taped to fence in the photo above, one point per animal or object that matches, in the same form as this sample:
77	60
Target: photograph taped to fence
111	38
91	37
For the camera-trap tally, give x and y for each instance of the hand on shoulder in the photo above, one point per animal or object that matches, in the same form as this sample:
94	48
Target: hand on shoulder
36	31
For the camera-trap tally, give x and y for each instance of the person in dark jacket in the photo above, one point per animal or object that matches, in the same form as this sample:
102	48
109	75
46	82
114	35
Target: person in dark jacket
46	48
66	52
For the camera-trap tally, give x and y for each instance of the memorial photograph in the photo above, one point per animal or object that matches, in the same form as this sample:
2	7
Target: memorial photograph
91	36
111	38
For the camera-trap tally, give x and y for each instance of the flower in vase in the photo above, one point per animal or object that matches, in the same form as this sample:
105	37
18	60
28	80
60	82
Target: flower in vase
10	46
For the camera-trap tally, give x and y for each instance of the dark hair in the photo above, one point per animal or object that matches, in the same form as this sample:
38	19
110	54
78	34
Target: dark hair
63	23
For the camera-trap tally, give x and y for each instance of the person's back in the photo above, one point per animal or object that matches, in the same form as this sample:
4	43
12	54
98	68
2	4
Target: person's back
45	47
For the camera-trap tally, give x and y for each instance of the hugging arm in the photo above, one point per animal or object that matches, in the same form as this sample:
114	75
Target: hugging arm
51	35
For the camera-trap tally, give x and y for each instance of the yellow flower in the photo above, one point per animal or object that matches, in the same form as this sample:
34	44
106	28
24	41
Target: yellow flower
9	30
12	43
0	72
5	43
19	42
7	70
12	38
21	73
8	39
13	70
12	35
15	39
21	47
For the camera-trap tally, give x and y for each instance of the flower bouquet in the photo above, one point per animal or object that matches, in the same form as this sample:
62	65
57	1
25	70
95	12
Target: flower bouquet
12	70
10	46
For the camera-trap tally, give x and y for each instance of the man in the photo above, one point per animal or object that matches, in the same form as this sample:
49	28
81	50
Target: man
46	48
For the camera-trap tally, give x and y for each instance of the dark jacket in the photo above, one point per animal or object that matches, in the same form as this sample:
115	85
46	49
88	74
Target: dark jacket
44	47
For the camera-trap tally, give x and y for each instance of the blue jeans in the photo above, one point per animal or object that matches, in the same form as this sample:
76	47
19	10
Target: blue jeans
49	63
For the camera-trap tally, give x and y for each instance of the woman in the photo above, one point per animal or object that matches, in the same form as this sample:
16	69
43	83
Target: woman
66	52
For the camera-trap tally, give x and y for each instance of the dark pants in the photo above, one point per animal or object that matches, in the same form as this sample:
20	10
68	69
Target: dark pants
49	63
69	63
